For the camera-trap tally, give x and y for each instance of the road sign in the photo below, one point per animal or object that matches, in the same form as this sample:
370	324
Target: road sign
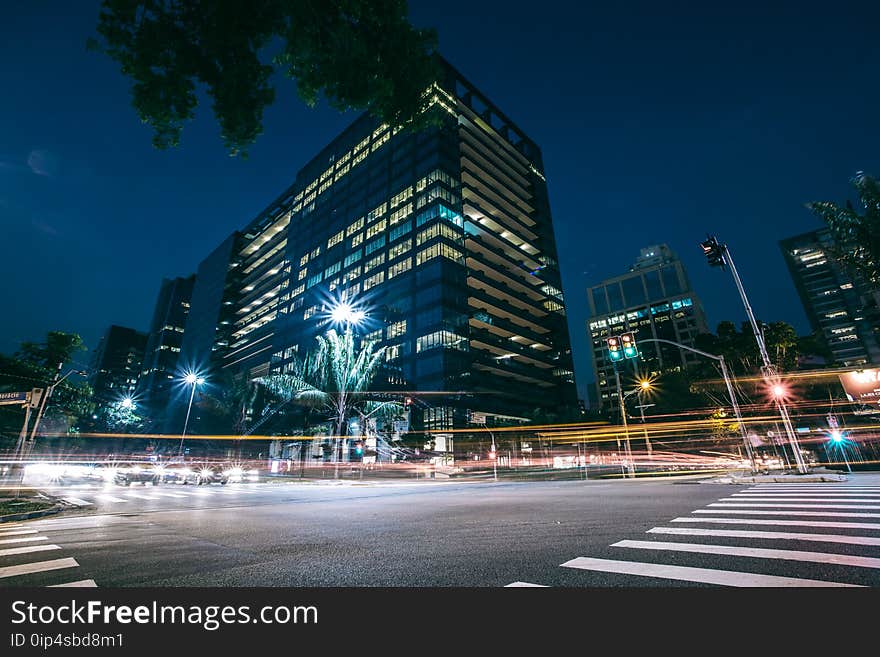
13	398
862	385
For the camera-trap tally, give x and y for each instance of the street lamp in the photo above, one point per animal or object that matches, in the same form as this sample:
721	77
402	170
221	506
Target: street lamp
193	380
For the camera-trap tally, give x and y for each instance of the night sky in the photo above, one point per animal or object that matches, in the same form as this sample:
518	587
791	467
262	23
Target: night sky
658	122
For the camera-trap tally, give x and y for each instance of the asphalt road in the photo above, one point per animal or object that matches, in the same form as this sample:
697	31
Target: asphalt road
457	534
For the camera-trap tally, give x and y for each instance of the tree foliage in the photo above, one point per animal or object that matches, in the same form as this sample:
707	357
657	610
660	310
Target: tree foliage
740	348
332	378
857	236
361	54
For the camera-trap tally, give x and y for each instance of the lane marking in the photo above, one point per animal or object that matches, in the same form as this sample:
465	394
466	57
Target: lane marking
25	550
38	567
524	585
774	498
142	497
89	583
796	523
170	495
795	506
745	533
111	498
27	539
4	532
702	575
823	514
760	553
803	494
76	501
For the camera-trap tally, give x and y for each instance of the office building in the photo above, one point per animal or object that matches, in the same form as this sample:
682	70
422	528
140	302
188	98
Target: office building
653	300
161	371
836	304
116	364
443	237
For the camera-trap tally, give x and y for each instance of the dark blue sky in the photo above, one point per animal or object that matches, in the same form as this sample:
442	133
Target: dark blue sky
658	122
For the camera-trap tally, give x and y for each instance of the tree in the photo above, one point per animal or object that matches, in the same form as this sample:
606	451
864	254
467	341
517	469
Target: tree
34	365
740	348
362	54
857	236
332	377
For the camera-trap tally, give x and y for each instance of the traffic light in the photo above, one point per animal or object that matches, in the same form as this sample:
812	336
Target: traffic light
714	252
614	351
628	342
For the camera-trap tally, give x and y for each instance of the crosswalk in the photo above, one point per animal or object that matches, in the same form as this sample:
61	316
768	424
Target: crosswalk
749	534
26	551
92	496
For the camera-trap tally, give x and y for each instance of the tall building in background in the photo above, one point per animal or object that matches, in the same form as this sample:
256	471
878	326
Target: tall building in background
443	236
117	364
834	302
160	369
654	299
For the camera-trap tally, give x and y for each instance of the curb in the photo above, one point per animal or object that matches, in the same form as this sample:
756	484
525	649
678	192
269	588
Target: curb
776	480
31	514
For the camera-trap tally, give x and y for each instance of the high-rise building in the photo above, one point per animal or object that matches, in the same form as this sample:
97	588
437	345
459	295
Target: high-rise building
116	364
160	367
653	300
834	301
443	237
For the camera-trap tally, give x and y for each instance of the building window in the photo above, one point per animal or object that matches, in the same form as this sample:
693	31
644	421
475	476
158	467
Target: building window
399	267
396	329
355	227
336	239
353	257
440	339
397	231
374	280
374	262
436	250
376	228
398	249
375	245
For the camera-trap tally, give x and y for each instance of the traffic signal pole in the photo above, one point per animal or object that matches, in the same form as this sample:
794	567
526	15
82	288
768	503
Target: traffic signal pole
620	396
713	250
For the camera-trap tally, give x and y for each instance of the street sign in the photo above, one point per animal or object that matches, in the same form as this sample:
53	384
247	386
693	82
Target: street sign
13	398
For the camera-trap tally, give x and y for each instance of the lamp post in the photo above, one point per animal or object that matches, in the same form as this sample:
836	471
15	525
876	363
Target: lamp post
193	380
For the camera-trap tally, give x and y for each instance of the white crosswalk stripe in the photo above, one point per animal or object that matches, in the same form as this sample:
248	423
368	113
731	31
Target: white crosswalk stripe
83	583
514	585
75	501
700	575
111	498
26	539
792	536
753	517
779	522
25	550
16	532
37	567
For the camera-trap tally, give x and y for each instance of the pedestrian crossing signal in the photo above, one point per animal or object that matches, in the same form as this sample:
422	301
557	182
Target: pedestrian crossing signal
628	342
614	351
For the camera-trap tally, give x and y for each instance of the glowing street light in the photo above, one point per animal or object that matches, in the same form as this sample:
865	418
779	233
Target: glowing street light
344	313
194	380
127	403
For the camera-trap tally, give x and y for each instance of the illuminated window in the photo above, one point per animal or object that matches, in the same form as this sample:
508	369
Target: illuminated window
397	249
355	227
435	250
376	228
375	245
438	339
376	212
336	239
304	260
396	329
353	257
374	280
356	240
399	267
302	274
315	252
332	269
397	231
374	262
433	231
351	274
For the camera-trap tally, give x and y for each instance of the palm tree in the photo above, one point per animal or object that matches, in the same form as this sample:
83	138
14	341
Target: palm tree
332	377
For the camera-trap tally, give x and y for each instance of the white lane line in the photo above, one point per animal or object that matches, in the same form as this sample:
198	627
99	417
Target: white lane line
745	533
795	506
38	567
170	495
776	498
804	494
142	497
76	501
761	553
813	486
26	539
775	521
111	498
18	532
83	583
524	585
821	514
702	575
25	550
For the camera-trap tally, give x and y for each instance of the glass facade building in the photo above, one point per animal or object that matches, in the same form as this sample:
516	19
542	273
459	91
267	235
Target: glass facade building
653	300
835	303
116	364
443	237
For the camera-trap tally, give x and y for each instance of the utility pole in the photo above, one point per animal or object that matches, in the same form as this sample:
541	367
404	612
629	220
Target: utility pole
719	255
620	396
